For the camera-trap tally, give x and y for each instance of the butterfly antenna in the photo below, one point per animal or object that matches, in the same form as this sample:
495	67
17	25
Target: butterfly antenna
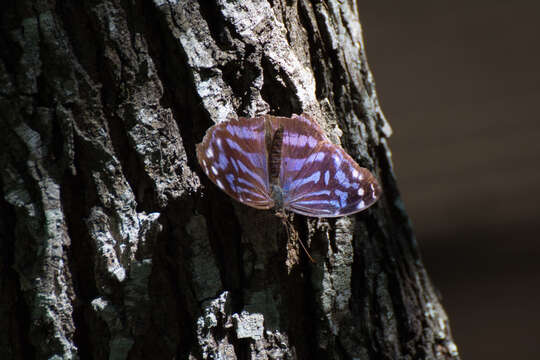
305	250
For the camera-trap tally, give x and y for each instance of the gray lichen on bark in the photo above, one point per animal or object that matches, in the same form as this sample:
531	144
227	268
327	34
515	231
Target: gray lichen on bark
112	244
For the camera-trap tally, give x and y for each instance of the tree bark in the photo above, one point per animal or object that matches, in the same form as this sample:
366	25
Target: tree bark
114	244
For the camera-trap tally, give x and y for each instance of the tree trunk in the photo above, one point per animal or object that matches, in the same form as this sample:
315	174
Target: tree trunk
113	242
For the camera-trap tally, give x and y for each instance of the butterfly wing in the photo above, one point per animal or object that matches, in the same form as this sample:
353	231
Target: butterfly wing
322	180
301	135
233	155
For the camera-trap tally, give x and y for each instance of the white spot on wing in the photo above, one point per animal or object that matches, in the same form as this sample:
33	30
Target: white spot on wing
314	178
235	166
361	191
372	191
209	153
337	160
342	197
218	182
290	139
214	170
355	173
360	205
341	178
315	157
222	164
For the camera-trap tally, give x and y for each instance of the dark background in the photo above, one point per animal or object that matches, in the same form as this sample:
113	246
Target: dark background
460	84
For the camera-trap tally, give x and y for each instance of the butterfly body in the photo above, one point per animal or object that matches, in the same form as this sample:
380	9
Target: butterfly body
277	196
285	163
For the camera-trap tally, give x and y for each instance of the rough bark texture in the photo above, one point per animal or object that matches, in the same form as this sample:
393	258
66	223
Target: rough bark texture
112	242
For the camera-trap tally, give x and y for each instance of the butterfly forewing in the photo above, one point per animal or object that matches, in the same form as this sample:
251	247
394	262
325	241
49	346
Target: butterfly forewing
233	155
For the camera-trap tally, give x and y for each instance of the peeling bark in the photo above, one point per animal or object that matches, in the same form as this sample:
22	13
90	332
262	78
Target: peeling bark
112	242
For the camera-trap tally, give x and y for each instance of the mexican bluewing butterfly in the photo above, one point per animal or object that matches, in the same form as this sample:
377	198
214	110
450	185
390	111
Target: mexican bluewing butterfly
285	163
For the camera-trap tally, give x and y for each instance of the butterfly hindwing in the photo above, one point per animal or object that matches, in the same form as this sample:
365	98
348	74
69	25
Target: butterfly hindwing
319	178
331	184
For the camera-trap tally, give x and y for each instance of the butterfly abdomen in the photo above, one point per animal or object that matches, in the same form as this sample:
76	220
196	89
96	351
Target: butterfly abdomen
274	156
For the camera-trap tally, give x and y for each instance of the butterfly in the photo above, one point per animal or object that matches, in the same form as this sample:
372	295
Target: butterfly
285	163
